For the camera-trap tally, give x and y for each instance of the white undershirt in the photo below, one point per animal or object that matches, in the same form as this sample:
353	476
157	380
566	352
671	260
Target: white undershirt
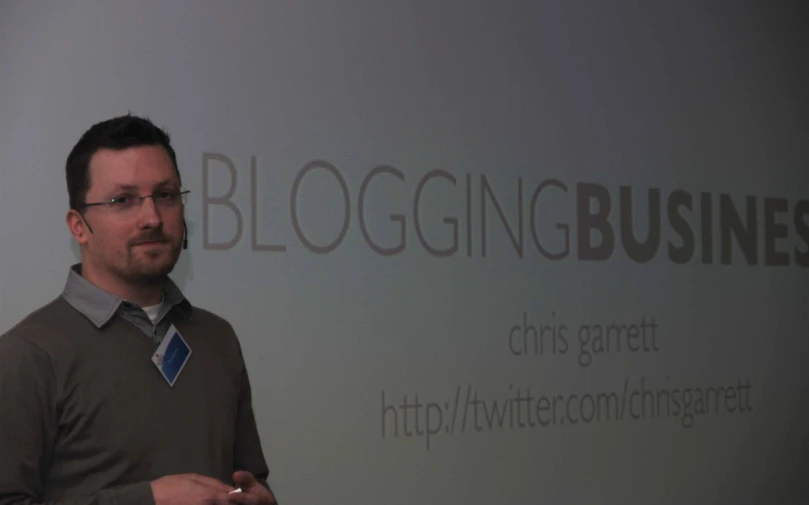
153	311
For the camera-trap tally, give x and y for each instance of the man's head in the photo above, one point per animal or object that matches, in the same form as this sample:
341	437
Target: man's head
125	238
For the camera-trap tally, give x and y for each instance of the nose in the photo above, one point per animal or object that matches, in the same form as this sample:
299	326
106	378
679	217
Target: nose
149	216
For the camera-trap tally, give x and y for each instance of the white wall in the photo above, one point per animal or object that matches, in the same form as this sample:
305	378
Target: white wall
672	96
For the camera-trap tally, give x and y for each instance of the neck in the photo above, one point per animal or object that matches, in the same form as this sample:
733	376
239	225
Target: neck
145	293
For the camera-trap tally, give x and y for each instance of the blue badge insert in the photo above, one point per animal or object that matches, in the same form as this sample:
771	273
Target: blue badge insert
171	356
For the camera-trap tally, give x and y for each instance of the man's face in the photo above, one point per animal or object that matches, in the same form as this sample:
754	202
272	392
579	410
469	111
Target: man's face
141	244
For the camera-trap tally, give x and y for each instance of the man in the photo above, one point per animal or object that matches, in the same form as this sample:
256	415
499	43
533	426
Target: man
87	417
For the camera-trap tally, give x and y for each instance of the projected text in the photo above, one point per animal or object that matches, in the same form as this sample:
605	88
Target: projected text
547	218
469	411
586	340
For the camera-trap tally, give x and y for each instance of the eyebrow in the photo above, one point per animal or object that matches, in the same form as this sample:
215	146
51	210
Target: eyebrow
130	187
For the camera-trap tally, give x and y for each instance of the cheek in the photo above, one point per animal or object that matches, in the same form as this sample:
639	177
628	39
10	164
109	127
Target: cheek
115	238
174	227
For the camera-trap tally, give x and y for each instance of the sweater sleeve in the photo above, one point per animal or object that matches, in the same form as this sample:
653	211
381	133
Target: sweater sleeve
28	428
247	453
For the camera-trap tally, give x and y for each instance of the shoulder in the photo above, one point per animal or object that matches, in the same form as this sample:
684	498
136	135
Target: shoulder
30	345
205	317
213	326
45	328
215	331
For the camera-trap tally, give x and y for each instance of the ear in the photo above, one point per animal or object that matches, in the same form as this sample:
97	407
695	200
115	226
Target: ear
77	226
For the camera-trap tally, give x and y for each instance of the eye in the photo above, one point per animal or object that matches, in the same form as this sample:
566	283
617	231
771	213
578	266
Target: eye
123	200
164	195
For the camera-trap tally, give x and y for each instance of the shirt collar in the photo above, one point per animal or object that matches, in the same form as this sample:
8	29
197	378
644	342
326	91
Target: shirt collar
99	306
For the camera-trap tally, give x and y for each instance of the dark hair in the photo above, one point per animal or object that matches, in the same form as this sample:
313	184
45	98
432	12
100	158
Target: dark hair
117	133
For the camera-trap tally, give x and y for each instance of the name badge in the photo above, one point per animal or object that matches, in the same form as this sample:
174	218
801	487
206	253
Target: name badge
171	356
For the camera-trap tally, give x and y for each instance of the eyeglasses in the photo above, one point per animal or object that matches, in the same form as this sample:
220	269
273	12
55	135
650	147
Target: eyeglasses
163	199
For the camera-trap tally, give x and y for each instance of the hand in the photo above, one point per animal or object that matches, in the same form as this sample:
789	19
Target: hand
190	489
253	493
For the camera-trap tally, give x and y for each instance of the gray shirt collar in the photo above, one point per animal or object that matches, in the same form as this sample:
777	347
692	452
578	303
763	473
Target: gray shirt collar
99	306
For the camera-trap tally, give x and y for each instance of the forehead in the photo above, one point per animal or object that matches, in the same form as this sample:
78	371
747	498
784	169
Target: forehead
142	167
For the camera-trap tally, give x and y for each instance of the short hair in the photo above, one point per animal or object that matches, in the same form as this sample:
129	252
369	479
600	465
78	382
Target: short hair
117	133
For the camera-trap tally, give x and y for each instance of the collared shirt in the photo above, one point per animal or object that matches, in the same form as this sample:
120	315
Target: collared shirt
100	306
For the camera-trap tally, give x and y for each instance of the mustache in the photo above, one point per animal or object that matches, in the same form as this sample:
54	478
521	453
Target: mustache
153	236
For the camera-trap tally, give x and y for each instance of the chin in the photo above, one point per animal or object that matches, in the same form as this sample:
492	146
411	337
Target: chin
150	270
148	275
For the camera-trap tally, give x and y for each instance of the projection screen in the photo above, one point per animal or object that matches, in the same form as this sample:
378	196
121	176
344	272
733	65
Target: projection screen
475	252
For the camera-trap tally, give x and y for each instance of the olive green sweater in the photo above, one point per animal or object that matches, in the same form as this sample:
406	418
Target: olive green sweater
86	418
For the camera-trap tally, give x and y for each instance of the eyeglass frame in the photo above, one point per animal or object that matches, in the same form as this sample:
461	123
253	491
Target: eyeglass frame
110	204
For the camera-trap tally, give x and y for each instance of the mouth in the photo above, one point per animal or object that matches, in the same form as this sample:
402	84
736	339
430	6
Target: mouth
150	243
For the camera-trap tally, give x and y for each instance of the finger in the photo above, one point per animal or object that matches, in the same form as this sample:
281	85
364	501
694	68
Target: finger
211	483
221	499
244	480
250	499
